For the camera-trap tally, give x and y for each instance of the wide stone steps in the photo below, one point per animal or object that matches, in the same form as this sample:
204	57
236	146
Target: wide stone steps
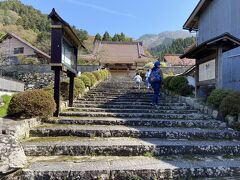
126	147
121	100
128	103
137	115
126	168
136	132
114	133
116	106
151	110
139	122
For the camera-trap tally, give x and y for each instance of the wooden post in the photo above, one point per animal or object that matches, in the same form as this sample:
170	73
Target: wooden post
71	90
219	69
57	71
196	80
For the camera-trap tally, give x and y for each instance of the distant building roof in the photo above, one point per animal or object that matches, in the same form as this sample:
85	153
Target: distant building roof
120	52
174	60
26	43
193	20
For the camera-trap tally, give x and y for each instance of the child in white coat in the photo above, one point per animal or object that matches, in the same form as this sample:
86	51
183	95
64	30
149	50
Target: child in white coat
138	80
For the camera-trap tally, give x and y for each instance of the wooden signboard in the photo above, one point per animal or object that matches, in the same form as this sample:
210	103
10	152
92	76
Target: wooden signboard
64	50
207	71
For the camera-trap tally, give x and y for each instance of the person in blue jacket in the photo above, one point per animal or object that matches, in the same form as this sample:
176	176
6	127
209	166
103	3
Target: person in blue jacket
156	85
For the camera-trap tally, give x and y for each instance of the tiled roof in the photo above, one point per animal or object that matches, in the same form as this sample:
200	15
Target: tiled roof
174	60
120	52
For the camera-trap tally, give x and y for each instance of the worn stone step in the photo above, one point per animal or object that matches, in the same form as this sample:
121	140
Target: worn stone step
149	100
137	132
76	102
137	115
124	168
107	106
149	110
74	146
139	122
102	102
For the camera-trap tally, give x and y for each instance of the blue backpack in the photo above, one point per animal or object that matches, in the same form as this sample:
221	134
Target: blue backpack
155	77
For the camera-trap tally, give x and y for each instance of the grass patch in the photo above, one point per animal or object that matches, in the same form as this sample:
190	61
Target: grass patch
148	154
4	108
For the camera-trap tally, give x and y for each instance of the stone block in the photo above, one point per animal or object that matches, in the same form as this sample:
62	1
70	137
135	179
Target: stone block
205	109
231	120
215	114
210	110
12	156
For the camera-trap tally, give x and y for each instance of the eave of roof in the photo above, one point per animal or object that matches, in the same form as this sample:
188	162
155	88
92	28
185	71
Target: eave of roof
26	43
54	16
226	41
192	21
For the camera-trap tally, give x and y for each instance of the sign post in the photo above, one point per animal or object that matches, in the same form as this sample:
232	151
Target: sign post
64	51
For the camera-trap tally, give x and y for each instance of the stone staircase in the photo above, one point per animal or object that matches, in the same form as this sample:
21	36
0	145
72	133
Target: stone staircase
114	133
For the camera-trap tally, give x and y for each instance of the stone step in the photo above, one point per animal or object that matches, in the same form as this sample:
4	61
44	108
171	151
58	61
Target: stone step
139	122
136	132
190	116
126	168
129	103
150	110
75	146
82	105
144	100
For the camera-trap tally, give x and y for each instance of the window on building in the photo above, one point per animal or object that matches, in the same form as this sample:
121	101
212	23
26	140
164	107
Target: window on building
19	50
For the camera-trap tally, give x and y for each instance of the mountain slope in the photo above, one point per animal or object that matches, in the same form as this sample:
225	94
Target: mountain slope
165	38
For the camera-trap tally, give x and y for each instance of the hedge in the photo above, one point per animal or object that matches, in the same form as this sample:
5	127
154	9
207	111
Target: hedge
92	78
216	97
64	90
97	75
230	105
86	80
166	81
34	103
177	82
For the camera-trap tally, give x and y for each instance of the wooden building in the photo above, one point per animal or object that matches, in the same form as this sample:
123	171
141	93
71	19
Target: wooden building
216	52
120	55
11	46
174	60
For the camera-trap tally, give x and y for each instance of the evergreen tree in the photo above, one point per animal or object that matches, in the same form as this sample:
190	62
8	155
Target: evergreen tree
106	37
115	38
122	37
97	37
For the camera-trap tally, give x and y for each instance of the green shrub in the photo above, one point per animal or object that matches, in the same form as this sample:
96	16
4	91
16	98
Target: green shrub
64	89
86	80
98	75
216	97
230	105
30	104
186	90
105	73
177	82
166	81
92	78
79	85
3	109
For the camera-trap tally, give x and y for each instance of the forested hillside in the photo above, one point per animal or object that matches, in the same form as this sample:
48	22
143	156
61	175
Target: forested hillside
176	47
29	23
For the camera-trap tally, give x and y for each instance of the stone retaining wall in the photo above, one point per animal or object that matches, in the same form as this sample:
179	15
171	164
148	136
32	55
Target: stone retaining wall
193	102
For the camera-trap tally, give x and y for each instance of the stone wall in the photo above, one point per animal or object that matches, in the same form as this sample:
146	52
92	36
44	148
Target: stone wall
37	76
